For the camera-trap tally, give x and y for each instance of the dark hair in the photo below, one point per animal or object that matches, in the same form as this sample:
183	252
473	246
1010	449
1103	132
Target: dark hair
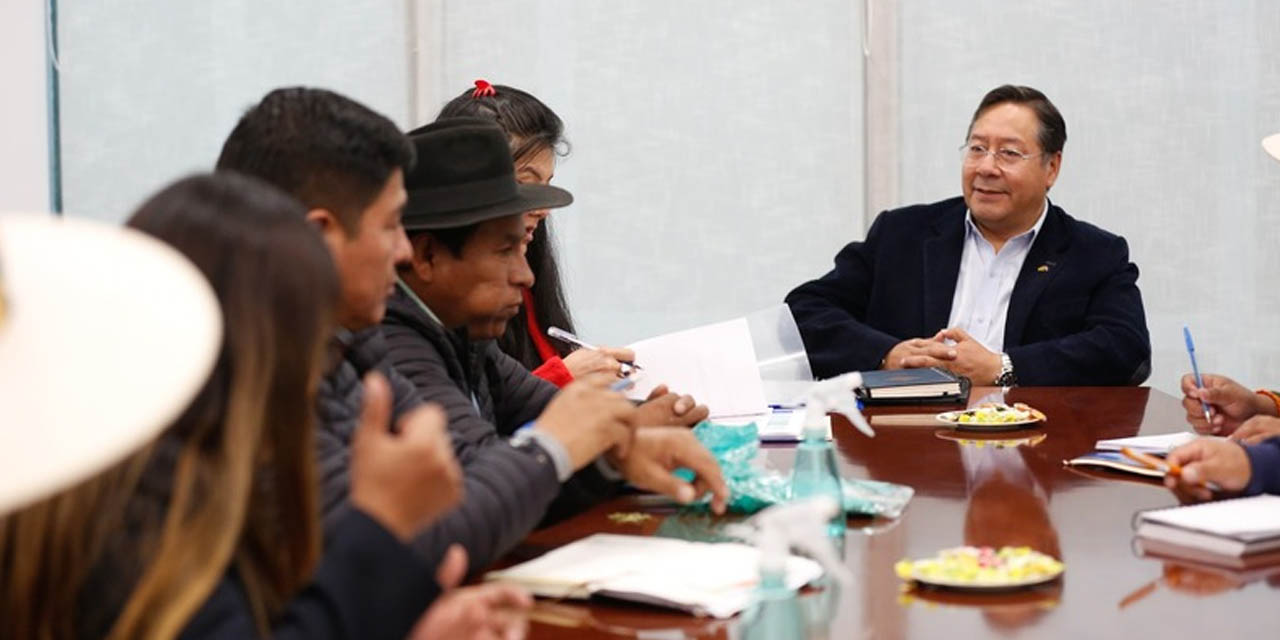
530	125
550	308
453	239
234	478
1053	129
327	150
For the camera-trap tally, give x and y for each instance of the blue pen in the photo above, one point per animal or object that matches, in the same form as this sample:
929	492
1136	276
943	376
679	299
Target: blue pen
1195	370
623	384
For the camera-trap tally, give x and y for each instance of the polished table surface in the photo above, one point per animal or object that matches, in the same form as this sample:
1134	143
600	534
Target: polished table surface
971	490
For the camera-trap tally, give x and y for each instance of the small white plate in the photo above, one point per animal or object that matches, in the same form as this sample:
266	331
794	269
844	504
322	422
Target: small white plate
986	586
1046	568
953	418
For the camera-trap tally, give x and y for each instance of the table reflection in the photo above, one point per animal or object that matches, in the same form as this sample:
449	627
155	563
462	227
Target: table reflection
1007	506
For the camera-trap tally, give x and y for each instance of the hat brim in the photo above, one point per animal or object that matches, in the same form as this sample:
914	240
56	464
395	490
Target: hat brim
106	336
1271	144
419	215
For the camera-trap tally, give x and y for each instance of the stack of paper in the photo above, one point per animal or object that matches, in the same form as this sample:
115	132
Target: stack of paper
704	578
716	364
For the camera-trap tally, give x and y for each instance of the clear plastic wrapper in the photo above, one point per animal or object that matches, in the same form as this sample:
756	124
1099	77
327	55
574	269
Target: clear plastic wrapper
753	487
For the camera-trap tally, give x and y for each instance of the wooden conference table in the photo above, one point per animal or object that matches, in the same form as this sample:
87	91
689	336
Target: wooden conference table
971	491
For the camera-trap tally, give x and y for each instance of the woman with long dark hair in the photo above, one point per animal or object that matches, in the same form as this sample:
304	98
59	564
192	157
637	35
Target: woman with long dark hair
213	529
536	135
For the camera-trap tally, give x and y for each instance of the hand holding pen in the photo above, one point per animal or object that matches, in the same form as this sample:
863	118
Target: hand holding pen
1173	474
589	358
1231	404
1208	465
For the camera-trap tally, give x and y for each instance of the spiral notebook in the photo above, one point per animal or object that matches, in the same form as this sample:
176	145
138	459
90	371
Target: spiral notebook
1232	528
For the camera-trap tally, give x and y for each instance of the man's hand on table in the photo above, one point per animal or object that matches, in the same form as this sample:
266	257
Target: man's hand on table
658	451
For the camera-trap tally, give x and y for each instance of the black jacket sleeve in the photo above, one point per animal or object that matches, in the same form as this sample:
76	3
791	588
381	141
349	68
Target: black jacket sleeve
368	585
831	312
508	490
340	401
1264	460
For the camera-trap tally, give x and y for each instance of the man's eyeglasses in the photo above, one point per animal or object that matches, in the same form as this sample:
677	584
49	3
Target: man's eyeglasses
1005	158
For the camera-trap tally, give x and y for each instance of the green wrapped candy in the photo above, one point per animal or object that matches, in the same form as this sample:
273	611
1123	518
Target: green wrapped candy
752	488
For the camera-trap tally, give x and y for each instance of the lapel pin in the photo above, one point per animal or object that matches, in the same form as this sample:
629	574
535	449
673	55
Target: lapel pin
1044	268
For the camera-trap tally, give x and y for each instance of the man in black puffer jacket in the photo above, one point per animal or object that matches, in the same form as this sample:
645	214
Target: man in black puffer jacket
487	396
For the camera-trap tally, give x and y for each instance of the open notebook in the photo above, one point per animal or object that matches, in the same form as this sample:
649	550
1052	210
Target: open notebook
1160	444
1107	453
1114	461
704	578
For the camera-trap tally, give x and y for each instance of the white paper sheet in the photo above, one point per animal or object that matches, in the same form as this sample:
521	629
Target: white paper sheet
714	579
716	364
1157	444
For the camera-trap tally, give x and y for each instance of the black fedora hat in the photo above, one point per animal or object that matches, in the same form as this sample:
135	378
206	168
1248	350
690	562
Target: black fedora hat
465	175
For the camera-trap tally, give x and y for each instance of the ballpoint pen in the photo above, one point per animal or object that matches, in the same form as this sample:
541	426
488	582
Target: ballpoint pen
1159	464
1195	370
565	336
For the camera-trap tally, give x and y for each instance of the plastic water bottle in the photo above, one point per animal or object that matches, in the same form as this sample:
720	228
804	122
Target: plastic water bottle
816	474
775	612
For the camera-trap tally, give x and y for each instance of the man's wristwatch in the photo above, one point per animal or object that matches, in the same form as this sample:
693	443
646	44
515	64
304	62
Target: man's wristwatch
1006	377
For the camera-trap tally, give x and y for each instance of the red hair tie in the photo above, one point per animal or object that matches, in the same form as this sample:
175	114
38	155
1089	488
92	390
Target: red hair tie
484	90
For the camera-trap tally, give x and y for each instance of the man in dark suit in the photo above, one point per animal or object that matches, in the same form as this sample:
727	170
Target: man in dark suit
1000	285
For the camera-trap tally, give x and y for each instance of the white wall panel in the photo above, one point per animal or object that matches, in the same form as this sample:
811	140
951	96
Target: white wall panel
24	160
150	88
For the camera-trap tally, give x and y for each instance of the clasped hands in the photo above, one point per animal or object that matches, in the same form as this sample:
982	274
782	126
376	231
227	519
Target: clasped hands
952	349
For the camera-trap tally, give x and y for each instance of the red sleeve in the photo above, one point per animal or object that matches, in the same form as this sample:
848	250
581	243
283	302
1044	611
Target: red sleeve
554	371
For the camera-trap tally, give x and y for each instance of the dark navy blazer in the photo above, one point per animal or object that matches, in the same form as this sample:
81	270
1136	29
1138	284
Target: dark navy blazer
1075	316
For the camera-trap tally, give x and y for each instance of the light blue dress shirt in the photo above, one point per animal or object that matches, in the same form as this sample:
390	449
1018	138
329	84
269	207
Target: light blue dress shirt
985	282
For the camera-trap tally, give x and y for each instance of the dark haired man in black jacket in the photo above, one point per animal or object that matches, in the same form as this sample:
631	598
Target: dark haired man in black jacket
1001	286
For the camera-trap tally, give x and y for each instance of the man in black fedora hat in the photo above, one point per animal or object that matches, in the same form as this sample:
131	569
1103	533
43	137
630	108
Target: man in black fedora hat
465	223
